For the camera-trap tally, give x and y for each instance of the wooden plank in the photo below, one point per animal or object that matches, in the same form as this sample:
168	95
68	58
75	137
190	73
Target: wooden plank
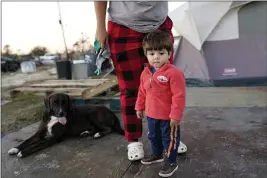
42	91
75	81
38	90
88	93
118	94
73	89
70	83
54	85
104	97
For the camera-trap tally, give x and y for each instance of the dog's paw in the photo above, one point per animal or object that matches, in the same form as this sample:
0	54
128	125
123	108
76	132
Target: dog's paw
84	134
98	135
19	154
13	151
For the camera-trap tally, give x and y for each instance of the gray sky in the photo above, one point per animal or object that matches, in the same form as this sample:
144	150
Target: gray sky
27	24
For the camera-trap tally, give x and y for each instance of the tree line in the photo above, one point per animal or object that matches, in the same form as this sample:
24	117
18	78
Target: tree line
80	46
35	52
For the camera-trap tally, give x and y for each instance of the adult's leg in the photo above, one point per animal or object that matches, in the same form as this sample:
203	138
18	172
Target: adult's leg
128	59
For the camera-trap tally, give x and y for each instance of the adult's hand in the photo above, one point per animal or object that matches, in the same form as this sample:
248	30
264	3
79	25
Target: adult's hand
101	33
101	36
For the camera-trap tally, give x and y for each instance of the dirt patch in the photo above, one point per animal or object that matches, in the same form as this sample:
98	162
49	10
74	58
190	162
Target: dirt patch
18	79
20	111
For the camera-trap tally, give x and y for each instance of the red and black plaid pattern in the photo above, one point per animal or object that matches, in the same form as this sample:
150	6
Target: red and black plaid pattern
128	59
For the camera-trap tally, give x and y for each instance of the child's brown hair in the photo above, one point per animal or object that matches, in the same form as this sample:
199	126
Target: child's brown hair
157	40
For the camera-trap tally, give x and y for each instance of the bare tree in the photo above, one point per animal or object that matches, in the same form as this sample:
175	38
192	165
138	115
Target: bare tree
7	50
38	51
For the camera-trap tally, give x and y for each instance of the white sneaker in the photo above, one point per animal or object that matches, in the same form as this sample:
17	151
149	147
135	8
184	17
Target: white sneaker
135	151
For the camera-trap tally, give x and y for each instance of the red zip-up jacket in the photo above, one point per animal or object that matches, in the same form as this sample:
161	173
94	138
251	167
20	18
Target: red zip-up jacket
162	94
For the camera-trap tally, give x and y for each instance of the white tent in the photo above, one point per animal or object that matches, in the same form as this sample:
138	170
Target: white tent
220	41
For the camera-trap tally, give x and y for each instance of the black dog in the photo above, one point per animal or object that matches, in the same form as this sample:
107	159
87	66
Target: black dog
62	119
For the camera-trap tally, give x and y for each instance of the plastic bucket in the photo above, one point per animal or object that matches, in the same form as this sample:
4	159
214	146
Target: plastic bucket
79	69
64	69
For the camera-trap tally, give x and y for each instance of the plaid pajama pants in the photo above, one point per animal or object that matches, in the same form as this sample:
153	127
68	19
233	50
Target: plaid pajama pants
128	59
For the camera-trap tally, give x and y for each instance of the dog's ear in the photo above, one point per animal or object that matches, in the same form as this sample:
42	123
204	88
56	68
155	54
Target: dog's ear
46	115
46	103
46	100
48	93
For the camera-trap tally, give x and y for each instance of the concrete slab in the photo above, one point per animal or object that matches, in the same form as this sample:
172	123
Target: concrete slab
226	96
222	142
71	158
228	142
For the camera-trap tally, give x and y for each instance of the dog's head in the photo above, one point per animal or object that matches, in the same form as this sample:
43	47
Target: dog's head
58	104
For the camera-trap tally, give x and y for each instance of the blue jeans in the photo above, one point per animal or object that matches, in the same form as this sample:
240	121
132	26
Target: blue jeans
159	136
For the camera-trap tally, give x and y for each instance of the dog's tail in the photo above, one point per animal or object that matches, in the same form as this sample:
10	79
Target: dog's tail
117	126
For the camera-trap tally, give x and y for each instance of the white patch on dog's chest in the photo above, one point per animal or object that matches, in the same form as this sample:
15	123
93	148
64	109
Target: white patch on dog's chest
50	124
53	121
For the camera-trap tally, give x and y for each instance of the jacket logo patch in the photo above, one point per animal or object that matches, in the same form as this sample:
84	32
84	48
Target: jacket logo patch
162	78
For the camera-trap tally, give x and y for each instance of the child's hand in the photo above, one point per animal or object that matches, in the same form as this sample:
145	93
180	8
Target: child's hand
174	126
174	123
139	114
